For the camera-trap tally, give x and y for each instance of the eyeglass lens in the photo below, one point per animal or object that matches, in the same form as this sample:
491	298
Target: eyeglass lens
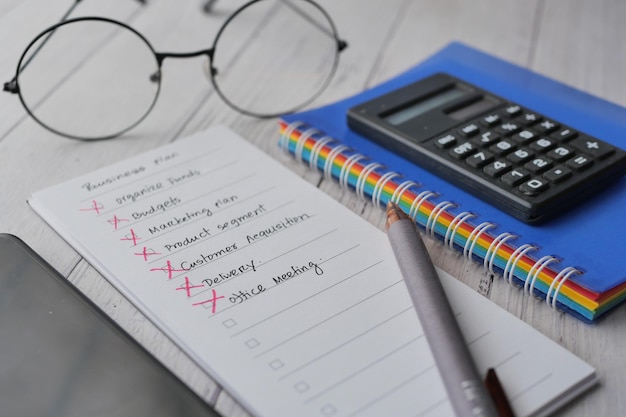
96	78
91	79
288	55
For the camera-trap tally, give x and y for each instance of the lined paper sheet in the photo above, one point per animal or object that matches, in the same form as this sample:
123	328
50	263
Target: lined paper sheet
291	301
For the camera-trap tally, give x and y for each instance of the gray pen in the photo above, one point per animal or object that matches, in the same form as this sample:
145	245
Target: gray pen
465	388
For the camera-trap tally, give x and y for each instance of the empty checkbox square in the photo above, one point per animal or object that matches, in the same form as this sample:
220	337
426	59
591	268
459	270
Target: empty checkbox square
252	343
302	387
328	410
276	364
229	323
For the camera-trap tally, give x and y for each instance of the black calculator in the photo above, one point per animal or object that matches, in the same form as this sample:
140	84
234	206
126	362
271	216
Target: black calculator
524	163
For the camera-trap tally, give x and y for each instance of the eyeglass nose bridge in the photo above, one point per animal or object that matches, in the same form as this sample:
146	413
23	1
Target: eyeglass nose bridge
160	57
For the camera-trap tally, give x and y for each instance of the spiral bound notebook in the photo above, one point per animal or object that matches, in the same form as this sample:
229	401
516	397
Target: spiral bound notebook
288	299
574	262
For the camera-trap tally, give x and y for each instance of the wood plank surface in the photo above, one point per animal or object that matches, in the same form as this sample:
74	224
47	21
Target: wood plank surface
578	42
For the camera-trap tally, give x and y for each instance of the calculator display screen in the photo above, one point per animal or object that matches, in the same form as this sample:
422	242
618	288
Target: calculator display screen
522	162
424	105
483	104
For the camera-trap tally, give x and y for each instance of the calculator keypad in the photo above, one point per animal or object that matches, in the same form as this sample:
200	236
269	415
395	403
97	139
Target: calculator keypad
527	164
522	152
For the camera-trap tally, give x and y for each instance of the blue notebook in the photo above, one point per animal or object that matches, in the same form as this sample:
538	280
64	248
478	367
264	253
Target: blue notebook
576	261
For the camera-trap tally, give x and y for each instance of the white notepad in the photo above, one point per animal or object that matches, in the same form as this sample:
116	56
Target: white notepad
292	302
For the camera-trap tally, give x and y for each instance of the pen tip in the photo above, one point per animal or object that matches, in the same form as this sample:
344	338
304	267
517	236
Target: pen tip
394	213
496	391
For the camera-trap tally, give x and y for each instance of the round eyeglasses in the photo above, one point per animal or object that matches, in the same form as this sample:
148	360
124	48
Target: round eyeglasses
94	78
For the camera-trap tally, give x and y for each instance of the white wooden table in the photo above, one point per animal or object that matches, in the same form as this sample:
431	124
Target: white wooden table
579	42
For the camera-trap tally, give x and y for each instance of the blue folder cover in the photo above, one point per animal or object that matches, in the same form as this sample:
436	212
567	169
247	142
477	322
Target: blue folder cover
590	237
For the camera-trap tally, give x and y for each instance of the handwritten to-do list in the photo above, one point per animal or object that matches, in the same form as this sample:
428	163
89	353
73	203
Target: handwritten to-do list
288	299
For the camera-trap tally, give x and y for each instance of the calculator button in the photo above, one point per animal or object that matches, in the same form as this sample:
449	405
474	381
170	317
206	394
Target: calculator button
487	138
524	136
469	130
546	126
538	165
490	120
497	168
507	129
445	142
515	177
520	156
529	118
542	145
560	154
524	162
462	151
579	163
502	147
534	187
593	147
557	174
513	110
564	134
479	159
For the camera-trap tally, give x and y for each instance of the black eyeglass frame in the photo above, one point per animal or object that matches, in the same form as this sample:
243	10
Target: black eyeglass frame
14	87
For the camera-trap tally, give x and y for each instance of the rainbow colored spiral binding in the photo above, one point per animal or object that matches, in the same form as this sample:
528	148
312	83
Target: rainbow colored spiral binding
539	277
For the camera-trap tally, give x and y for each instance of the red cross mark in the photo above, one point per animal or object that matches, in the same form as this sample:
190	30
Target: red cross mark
146	252
115	221
132	237
188	287
212	300
169	269
95	206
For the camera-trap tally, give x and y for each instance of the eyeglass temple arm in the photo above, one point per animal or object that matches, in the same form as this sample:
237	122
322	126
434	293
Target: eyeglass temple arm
341	44
160	56
11	86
